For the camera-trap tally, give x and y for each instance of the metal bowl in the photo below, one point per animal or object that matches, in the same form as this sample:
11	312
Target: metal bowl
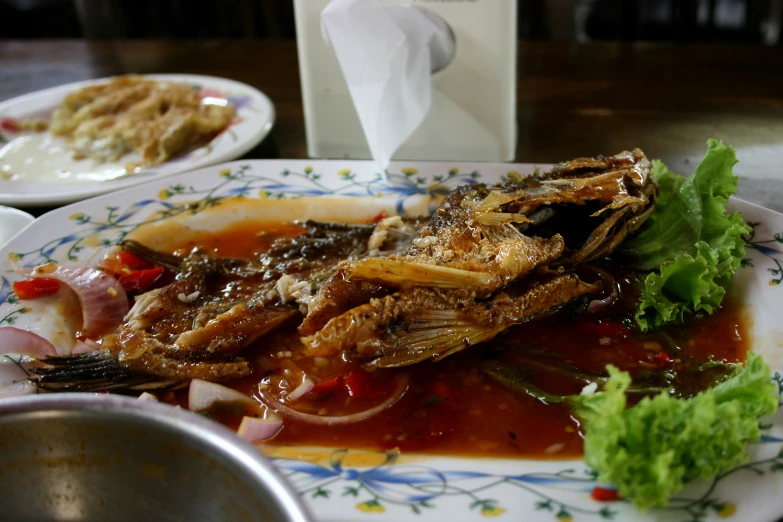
80	457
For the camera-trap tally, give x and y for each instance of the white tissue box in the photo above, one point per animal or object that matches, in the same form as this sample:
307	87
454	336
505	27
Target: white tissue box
473	112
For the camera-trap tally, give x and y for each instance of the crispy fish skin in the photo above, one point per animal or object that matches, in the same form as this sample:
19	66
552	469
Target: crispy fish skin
429	324
372	319
476	239
199	325
620	185
339	294
454	251
480	240
133	351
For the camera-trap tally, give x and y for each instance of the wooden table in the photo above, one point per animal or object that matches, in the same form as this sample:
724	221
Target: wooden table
572	99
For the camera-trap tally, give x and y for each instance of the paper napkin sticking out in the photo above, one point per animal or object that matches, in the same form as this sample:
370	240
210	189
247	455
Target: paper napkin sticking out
387	55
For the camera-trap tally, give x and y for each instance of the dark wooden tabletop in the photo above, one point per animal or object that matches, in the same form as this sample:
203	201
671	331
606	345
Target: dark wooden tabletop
573	99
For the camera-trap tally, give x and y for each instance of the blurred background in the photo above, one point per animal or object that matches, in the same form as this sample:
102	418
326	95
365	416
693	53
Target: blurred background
684	21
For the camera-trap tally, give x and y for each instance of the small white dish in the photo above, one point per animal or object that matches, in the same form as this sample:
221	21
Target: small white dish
12	221
254	118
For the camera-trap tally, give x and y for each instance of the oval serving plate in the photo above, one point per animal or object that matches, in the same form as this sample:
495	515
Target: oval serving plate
254	118
348	485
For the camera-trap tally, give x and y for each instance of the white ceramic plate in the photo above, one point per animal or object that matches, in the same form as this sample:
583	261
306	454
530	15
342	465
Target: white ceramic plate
12	221
255	116
346	485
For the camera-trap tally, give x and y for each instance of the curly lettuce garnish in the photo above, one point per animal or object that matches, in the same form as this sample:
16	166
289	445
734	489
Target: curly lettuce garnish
692	245
651	450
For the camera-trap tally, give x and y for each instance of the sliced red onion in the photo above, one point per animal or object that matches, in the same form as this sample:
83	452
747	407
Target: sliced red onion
609	285
21	342
203	394
287	411
85	346
254	429
303	389
147	396
103	300
598	305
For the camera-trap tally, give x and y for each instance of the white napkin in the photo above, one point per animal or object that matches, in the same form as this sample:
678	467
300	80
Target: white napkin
387	54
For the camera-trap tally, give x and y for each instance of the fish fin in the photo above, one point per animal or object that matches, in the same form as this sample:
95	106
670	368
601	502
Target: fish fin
433	339
557	181
485	213
493	201
405	274
500	218
620	201
426	318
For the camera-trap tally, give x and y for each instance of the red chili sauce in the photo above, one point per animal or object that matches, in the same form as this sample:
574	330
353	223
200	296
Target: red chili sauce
452	406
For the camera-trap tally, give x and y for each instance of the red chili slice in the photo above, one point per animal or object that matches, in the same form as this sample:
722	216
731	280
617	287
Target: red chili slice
134	262
36	287
604	494
358	384
379	216
10	125
328	386
662	359
140	279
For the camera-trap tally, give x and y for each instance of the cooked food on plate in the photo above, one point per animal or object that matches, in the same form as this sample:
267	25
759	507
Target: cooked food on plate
153	121
581	310
159	120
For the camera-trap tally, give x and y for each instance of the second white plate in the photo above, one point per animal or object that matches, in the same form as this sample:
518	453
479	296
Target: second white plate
254	119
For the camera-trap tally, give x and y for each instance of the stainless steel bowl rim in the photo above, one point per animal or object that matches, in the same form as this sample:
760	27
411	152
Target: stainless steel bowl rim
239	451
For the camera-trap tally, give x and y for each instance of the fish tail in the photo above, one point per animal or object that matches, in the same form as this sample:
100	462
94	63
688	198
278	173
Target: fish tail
92	372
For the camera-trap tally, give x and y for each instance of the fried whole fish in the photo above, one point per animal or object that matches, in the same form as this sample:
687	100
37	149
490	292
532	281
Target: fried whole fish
390	294
485	237
409	327
197	326
481	239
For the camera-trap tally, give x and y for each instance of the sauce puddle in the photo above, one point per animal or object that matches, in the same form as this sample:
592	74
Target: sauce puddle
453	407
42	158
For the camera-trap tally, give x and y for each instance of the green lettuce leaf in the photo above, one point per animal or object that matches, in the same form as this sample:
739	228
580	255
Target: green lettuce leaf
651	450
691	243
